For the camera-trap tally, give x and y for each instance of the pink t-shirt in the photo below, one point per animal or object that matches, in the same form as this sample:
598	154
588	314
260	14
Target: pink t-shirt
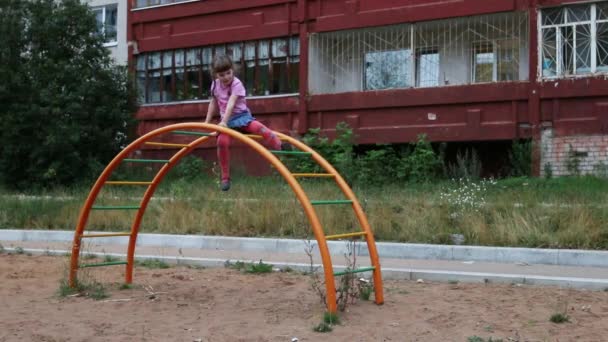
222	95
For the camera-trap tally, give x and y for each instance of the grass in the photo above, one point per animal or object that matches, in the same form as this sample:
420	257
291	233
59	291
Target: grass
255	268
559	318
90	289
567	212
152	263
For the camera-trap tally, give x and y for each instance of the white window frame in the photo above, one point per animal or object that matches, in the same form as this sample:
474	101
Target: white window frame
559	73
104	9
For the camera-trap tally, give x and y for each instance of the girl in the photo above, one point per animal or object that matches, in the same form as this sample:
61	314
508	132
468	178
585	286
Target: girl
228	92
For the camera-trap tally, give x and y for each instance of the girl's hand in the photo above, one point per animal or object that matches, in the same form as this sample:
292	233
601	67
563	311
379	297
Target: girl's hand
223	124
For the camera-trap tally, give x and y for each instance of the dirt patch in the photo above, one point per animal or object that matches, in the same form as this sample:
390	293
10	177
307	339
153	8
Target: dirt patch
186	304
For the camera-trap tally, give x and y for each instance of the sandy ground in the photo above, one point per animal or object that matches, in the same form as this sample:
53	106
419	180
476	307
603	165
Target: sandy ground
226	305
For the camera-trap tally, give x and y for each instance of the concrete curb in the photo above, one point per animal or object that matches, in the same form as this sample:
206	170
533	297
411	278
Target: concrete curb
387	272
560	257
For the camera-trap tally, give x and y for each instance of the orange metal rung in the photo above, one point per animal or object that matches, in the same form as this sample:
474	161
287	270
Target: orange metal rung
341	236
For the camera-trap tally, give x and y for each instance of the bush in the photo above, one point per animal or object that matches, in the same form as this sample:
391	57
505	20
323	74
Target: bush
66	108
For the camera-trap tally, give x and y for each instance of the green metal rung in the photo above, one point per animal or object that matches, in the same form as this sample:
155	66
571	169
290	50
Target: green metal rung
194	133
115	207
290	152
111	263
358	270
147	160
331	202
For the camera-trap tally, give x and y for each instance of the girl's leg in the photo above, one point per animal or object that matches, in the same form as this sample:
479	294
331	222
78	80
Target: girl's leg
223	156
270	139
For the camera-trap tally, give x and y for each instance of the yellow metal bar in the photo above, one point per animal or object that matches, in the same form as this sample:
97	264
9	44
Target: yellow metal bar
153	143
312	175
346	235
255	136
105	235
127	183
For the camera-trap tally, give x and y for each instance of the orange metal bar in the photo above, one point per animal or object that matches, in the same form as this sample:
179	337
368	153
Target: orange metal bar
312	175
348	193
153	143
275	163
146	199
346	235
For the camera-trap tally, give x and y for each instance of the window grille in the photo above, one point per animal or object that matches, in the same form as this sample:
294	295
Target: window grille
574	40
487	48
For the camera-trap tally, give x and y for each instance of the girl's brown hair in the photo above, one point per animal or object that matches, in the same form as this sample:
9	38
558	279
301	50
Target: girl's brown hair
221	63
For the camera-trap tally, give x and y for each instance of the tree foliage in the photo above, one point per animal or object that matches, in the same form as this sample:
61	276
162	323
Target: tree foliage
65	107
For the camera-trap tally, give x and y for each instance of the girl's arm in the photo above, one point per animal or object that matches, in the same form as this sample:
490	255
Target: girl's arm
211	110
229	109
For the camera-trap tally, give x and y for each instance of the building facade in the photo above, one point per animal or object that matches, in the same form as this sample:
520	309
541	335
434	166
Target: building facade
467	70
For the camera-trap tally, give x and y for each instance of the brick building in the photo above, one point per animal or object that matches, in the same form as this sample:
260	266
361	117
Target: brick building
458	71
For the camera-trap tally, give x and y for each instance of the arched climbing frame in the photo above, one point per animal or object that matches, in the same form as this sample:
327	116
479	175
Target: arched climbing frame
203	132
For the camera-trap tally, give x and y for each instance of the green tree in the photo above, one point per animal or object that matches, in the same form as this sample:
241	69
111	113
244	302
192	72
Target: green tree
65	107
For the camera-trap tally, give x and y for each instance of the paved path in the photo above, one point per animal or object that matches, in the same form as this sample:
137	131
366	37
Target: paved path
595	278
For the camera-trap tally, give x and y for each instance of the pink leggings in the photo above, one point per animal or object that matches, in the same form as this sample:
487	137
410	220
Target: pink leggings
254	127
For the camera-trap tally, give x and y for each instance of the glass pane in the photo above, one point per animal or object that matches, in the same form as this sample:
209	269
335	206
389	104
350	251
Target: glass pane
154	60
427	68
141	62
153	86
167	86
141	3
566	55
193	57
192	83
602	10
508	61
263	86
549	58
294	46
602	47
294	74
141	86
180	83
249	51
110	23
99	19
249	75
179	58
279	47
279	76
219	50
552	16
207	56
235	51
484	63
578	13
387	69
167	59
206	83
583	49
263	49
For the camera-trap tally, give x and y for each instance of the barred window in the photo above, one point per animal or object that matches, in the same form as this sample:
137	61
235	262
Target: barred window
485	48
574	40
266	67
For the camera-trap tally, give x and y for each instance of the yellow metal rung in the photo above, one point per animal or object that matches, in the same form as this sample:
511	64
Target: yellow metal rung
105	235
255	136
312	175
341	236
165	144
127	183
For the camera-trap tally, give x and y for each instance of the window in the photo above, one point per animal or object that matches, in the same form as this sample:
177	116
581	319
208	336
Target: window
574	40
387	69
106	23
266	67
455	51
427	67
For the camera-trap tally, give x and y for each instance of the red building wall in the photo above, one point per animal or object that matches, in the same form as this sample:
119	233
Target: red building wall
483	112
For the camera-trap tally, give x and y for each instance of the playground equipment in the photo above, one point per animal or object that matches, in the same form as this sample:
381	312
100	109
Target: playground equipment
203	132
